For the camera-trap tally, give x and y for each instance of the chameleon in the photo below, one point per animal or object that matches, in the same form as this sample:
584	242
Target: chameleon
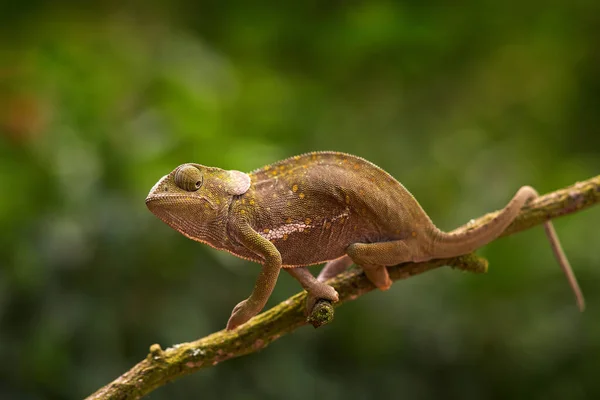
314	208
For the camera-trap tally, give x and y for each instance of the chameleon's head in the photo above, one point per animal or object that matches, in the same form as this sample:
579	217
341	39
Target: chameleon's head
193	199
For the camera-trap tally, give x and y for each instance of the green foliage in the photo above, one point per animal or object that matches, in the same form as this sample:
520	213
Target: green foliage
463	103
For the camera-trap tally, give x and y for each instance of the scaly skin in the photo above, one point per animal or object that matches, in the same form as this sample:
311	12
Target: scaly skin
313	208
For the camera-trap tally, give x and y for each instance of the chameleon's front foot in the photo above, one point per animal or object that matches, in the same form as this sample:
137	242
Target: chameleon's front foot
241	314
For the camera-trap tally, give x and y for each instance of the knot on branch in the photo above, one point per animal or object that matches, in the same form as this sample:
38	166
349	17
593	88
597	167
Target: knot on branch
156	352
470	263
321	314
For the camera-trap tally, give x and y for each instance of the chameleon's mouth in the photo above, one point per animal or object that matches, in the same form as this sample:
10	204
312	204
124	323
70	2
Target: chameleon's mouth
158	201
161	197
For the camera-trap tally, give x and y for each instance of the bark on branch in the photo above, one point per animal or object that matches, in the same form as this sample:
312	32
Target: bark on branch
162	366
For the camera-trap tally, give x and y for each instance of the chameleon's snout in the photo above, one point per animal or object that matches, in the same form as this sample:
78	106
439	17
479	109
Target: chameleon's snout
160	198
158	189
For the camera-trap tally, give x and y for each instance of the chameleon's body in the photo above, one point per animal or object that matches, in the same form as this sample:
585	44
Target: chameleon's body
310	209
319	202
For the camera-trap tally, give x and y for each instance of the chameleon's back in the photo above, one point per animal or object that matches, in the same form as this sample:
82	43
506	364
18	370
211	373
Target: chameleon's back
314	205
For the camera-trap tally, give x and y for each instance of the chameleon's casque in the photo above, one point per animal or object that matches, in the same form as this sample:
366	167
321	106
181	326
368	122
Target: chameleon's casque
309	209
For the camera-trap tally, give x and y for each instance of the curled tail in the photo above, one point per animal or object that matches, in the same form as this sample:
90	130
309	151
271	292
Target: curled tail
455	244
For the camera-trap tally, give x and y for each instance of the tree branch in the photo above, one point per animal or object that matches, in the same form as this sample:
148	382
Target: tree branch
162	366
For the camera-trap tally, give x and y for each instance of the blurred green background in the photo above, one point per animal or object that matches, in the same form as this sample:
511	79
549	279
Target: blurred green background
463	103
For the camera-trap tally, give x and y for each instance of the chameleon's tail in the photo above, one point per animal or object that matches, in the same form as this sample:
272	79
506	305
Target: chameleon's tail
455	244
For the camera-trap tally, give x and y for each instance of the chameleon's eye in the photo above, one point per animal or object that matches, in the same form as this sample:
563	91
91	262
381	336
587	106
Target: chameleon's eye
188	178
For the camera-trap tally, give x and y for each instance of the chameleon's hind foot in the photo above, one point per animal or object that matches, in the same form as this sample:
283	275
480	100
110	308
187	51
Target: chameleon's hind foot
316	290
320	291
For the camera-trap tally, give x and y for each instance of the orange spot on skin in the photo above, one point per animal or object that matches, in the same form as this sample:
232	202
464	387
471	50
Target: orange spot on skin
307	221
328	225
285	236
356	166
414	233
281	167
288	221
347	199
301	195
361	191
266	230
295	188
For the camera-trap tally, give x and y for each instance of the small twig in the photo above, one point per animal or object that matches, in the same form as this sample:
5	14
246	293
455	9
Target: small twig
162	366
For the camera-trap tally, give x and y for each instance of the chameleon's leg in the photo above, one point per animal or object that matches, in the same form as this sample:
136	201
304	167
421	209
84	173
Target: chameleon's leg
378	275
334	267
316	290
265	283
373	257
